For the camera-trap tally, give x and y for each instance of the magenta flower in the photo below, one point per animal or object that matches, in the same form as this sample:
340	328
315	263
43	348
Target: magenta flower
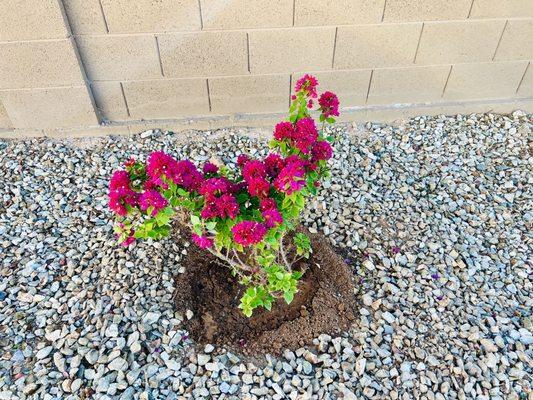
242	159
223	206
152	198
202	241
267	204
129	240
210	168
227	206
307	83
185	174
121	198
253	169
209	211
258	187
283	130
306	134
273	163
119	180
272	217
321	151
292	177
329	103
248	233
159	165
214	187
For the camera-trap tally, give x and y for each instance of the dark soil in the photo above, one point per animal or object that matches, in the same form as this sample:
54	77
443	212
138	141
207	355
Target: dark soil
325	303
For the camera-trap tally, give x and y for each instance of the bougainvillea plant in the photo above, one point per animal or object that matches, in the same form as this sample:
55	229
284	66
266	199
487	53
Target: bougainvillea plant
246	217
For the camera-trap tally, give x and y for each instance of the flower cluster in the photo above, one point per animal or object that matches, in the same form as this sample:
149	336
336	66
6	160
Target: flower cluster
240	216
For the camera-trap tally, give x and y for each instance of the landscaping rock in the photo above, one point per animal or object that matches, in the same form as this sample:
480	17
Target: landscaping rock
433	216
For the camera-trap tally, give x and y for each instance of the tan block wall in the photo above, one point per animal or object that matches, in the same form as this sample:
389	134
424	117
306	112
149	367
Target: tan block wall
117	66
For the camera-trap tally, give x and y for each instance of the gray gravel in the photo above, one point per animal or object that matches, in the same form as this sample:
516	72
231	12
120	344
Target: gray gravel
436	213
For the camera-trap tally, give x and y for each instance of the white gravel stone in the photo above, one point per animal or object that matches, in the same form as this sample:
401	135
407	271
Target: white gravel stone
434	212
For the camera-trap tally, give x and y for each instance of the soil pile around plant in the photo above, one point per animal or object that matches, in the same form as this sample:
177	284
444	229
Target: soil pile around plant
325	303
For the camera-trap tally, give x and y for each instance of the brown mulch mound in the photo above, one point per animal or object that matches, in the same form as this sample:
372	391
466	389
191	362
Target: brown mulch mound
325	303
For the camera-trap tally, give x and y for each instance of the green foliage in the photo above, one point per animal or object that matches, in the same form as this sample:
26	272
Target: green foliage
303	244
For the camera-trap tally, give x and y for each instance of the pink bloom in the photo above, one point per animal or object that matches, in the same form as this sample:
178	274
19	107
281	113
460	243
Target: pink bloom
329	103
210	168
273	164
321	151
119	180
227	206
129	240
248	233
185	174
272	217
306	134
307	83
292	177
209	211
242	159
151	185
253	169
237	187
215	187
267	204
202	241
283	130
152	198
258	187
310	104
159	165
120	198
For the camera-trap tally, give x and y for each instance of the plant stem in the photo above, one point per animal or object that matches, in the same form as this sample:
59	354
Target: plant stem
283	255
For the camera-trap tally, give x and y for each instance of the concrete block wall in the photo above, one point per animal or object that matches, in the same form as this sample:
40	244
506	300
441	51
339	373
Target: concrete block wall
70	67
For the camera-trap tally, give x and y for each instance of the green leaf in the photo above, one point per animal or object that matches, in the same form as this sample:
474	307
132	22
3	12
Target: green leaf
288	296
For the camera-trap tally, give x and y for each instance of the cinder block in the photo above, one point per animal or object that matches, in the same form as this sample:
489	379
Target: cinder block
484	80
370	46
502	9
407	85
238	14
517	41
39	64
125	16
459	42
166	98
283	50
49	108
350	86
526	86
254	94
5	122
425	10
119	57
31	19
109	100
338	12
85	16
203	53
